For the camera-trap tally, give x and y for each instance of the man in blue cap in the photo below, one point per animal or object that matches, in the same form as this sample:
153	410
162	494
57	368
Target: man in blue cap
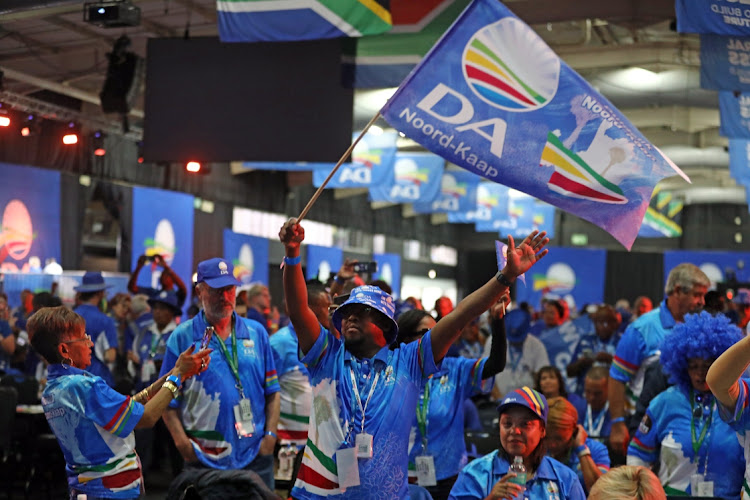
365	394
100	327
225	418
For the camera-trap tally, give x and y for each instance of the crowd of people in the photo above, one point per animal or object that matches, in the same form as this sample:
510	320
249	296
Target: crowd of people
349	393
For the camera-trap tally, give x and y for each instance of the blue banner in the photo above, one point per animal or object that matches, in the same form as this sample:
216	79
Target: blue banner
249	255
515	113
527	214
491	198
723	17
162	224
389	270
458	193
415	177
739	160
578	272
300	166
372	159
323	262
725	63
718	266
30	232
735	115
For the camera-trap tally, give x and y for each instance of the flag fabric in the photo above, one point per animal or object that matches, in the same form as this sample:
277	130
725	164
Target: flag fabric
389	270
739	160
287	20
372	159
249	256
458	193
493	98
663	217
492	200
323	262
725	63
723	17
524	215
716	264
415	177
734	112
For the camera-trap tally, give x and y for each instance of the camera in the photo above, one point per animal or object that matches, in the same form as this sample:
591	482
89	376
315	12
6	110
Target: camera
366	267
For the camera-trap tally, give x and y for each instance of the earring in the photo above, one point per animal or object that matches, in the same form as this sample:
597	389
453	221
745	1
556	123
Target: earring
70	363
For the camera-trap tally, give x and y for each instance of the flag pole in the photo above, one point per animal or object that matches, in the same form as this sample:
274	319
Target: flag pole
335	169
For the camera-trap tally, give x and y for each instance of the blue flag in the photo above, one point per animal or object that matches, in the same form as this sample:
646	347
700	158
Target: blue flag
323	262
249	256
493	98
716	264
739	160
372	159
723	17
299	166
725	63
491	199
415	177
735	115
389	270
458	193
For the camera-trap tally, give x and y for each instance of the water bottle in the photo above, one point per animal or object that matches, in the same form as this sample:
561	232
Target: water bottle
519	469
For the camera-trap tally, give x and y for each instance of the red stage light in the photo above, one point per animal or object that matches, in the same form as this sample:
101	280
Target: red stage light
26	131
70	139
193	166
4	121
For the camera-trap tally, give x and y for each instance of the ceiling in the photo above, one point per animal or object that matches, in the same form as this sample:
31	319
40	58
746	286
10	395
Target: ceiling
626	49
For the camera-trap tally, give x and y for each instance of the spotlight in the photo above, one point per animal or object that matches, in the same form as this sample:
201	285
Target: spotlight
26	131
4	121
193	167
97	142
30	127
69	139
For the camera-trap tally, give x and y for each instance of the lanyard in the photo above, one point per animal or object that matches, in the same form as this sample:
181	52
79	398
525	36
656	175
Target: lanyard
155	338
233	361
595	428
356	394
422	408
515	357
697	443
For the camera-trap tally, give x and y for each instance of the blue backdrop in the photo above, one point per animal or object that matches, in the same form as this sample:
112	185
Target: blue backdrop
30	232
323	260
739	160
372	159
725	63
389	270
249	255
715	264
458	193
724	17
415	177
163	224
735	115
491	199
524	215
578	272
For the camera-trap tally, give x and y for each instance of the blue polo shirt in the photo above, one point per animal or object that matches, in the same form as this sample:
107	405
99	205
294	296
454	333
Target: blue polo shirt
103	332
285	345
336	416
206	402
599	454
552	480
738	419
601	422
458	379
665	435
94	427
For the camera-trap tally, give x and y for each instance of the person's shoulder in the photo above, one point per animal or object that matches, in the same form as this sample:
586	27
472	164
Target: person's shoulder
670	399
253	325
531	342
596	446
482	464
646	319
561	470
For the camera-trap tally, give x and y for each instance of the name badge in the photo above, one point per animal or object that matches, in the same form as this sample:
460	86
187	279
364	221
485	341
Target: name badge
705	489
243	419
363	445
347	467
426	470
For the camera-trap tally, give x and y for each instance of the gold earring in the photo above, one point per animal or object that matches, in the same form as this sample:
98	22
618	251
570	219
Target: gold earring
70	363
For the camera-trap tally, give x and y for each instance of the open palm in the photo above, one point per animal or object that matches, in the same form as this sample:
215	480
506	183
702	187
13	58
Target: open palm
529	252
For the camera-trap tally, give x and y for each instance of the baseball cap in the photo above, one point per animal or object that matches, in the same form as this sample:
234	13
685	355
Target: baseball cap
528	398
373	297
167	298
217	273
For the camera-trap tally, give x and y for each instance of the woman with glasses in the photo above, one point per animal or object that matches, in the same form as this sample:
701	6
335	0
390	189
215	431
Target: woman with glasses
697	452
93	423
438	427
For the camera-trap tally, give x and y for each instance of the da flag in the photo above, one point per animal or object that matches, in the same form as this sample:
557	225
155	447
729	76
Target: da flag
415	177
663	216
389	270
286	20
718	266
524	215
458	193
249	256
739	160
491	198
735	115
723	17
323	262
162	224
300	166
493	98
725	63
30	232
372	159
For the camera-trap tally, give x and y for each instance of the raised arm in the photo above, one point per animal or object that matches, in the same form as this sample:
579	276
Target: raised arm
181	288
499	344
724	374
295	292
133	281
519	260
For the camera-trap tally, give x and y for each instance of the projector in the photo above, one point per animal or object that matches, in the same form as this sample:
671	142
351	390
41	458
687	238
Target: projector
112	14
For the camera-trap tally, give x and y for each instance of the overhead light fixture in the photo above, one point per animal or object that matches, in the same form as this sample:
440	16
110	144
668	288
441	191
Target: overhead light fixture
193	167
4	119
69	139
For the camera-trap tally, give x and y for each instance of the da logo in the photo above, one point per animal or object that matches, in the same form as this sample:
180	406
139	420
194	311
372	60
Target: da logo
713	273
560	278
510	67
324	271
408	179
17	234
163	242
244	264
387	274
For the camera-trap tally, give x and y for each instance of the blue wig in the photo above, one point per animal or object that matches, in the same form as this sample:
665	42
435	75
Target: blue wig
701	336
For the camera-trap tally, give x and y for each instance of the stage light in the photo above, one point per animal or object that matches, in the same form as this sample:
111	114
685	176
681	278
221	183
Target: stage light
193	167
69	139
26	131
4	121
139	144
97	142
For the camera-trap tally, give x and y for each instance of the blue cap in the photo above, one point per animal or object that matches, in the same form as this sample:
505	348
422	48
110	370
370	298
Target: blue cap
373	297
168	298
217	273
92	282
528	398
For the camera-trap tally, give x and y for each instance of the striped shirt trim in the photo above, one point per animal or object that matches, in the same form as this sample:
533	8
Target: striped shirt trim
323	351
118	424
271	379
628	369
638	445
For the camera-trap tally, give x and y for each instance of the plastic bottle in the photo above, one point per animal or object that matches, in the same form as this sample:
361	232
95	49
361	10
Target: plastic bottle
520	470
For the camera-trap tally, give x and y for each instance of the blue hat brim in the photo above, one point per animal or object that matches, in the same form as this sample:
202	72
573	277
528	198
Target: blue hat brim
221	281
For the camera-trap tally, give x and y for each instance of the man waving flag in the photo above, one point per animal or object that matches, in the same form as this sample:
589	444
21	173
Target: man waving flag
493	98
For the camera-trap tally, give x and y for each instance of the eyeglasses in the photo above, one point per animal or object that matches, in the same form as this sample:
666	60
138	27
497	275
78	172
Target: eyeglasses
357	310
86	338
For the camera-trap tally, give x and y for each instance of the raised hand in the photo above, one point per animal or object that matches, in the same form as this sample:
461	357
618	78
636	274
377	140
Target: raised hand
529	252
291	234
191	363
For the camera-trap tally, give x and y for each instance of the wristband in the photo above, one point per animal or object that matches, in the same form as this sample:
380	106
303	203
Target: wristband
175	380
582	450
338	279
503	280
618	420
271	433
292	261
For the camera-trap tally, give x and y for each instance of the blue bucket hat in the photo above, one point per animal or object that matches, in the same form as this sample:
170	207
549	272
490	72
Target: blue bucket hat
92	282
169	299
217	273
528	398
373	297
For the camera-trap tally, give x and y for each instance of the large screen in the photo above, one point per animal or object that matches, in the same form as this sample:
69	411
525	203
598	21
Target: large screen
211	101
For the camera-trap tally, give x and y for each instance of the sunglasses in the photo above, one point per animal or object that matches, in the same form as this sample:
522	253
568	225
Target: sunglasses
86	338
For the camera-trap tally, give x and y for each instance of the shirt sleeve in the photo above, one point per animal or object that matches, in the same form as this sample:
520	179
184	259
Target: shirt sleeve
115	413
470	377
643	448
322	352
599	454
468	486
271	383
110	330
738	417
628	356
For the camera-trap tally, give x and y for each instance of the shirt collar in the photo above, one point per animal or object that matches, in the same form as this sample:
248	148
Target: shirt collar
381	356
666	318
58	370
545	470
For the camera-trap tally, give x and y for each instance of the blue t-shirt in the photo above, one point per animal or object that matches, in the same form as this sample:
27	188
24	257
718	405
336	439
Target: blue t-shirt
457	380
738	419
336	417
599	454
151	346
592	344
285	345
665	435
5	358
94	426
598	424
103	332
207	401
552	480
